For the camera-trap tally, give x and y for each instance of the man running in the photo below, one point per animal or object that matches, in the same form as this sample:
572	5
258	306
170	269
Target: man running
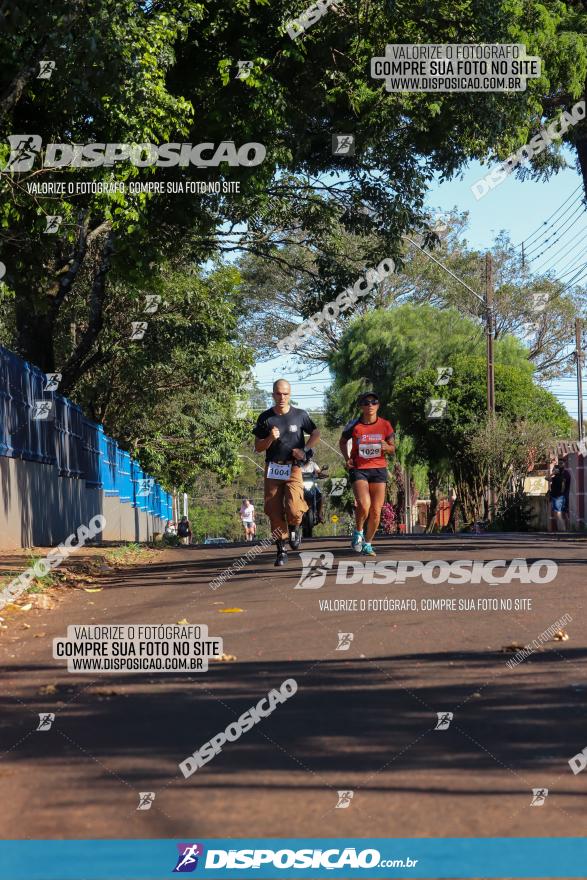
371	439
279	433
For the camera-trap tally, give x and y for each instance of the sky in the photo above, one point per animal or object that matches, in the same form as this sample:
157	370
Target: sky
519	207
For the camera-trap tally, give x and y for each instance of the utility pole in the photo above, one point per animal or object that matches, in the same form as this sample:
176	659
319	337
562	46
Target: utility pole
487	303
579	359
490	334
489	318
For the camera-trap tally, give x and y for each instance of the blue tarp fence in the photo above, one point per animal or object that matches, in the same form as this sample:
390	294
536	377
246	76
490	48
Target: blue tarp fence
40	425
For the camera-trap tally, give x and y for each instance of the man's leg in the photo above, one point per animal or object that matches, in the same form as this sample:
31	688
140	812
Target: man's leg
377	494
295	505
274	492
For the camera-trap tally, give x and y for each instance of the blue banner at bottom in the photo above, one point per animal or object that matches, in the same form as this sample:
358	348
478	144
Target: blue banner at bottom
505	857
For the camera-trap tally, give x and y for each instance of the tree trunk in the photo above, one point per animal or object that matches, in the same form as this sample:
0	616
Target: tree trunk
433	482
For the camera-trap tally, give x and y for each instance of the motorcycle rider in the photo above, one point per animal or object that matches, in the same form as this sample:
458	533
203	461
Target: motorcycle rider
280	433
312	469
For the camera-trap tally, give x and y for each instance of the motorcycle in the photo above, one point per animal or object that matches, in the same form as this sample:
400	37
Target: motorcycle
310	518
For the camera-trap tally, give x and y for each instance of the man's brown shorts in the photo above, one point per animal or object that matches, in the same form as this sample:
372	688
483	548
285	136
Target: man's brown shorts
284	501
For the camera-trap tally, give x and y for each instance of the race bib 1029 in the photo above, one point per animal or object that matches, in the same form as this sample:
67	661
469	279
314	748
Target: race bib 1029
369	450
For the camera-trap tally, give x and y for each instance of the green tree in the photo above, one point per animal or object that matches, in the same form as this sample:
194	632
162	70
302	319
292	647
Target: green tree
518	400
384	346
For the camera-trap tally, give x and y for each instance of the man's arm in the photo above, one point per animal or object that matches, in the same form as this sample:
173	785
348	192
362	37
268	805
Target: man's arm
314	438
261	444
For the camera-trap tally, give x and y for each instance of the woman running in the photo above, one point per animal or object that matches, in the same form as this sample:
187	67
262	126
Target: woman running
371	439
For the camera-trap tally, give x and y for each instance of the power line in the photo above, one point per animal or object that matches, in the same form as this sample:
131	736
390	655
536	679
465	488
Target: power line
580	210
567	245
545	222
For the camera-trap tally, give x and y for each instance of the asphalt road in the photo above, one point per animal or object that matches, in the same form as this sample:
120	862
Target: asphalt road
362	720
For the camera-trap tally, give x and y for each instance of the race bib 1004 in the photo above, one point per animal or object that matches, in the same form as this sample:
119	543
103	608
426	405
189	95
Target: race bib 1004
369	450
278	471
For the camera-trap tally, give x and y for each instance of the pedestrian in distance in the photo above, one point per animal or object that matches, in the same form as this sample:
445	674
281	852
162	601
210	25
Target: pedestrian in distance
370	439
558	496
184	531
247	515
280	433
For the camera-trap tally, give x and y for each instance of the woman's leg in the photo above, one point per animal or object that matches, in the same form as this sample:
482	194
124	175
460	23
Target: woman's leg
363	499
377	497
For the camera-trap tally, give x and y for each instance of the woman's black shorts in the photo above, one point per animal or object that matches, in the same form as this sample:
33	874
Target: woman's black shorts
369	475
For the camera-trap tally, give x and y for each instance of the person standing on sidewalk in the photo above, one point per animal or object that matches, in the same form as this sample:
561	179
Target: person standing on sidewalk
371	439
280	433
247	515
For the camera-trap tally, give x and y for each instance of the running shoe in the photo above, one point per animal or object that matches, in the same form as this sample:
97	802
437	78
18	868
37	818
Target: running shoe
281	555
368	550
357	541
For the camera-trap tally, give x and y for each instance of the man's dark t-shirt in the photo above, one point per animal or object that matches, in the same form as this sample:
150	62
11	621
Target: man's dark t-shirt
556	486
292	427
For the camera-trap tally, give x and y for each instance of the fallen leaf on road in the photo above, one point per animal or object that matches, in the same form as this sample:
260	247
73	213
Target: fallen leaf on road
47	689
513	647
26	607
39	635
226	658
44	602
26	626
184	620
93	589
560	636
103	693
230	610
